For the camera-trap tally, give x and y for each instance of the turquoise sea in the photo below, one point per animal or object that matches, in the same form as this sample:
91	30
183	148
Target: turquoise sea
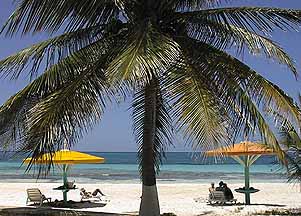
121	167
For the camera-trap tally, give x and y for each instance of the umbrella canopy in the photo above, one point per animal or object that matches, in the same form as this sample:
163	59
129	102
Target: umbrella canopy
243	148
245	153
65	158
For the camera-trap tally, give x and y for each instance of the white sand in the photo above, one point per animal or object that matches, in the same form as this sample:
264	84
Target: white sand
177	198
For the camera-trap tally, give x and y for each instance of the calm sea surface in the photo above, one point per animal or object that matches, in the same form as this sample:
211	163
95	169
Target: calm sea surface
121	167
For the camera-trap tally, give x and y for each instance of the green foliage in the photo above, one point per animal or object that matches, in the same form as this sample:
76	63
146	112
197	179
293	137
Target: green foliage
49	52
290	138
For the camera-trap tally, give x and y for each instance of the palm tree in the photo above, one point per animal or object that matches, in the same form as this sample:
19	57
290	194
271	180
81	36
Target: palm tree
169	56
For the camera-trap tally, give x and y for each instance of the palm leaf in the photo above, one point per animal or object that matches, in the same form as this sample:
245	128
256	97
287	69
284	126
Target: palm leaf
66	113
290	139
224	36
146	54
55	79
193	4
50	51
196	108
50	15
260	89
294	165
236	87
249	18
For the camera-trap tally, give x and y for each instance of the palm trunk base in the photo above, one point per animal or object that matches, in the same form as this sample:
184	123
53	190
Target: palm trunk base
149	205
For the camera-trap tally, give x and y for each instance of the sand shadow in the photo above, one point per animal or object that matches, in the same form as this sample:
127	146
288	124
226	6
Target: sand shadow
48	211
87	204
72	204
243	204
225	204
205	213
259	204
267	204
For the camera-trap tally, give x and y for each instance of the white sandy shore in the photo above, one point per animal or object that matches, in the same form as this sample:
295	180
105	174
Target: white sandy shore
177	198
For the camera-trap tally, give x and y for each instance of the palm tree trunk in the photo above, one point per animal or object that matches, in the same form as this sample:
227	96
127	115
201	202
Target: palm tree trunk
149	205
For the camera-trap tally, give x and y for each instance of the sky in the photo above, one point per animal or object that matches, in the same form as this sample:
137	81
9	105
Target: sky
114	133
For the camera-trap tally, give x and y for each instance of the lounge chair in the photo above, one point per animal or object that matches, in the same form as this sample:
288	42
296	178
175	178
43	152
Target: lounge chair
34	195
88	196
218	197
71	184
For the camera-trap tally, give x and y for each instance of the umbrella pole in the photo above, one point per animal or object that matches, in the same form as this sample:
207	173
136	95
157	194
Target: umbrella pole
247	180
65	183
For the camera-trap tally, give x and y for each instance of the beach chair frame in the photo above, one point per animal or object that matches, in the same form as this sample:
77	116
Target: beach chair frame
34	195
218	198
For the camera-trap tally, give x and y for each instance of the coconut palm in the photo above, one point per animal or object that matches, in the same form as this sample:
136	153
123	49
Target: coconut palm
171	57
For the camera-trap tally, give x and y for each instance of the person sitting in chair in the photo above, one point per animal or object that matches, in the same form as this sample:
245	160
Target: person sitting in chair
220	186
211	189
227	192
71	184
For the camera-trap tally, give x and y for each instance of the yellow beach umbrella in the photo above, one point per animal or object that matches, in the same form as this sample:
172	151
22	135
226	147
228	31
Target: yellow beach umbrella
245	153
65	158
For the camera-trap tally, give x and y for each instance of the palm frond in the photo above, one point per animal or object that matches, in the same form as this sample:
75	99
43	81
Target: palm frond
145	54
151	120
272	97
224	36
293	158
55	79
254	19
197	109
50	15
259	88
241	91
66	113
253	114
289	136
49	52
190	5
13	121
291	140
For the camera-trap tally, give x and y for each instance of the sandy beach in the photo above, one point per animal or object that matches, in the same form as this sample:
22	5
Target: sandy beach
182	199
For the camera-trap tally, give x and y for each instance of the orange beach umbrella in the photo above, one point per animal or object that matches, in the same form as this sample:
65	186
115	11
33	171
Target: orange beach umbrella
240	149
245	153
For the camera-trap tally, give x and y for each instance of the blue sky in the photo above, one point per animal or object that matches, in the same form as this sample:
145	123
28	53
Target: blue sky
114	132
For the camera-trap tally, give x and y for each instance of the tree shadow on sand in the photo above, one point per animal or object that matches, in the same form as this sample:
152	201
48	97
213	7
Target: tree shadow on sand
48	211
75	205
262	204
243	204
72	204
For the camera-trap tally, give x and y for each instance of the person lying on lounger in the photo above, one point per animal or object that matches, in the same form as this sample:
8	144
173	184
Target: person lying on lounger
89	194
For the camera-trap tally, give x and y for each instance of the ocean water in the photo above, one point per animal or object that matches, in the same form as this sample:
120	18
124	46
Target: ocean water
122	167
